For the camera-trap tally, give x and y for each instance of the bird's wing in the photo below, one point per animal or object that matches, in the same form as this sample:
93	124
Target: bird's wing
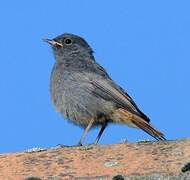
107	89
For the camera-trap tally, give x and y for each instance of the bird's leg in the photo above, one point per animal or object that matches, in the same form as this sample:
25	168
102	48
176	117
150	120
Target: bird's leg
85	132
100	133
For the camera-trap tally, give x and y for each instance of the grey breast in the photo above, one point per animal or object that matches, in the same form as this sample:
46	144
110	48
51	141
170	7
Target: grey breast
72	95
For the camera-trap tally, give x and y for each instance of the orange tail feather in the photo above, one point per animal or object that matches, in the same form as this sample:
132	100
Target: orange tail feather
126	117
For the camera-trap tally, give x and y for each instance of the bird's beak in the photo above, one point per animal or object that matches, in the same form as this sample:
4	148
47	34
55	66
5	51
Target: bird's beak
52	42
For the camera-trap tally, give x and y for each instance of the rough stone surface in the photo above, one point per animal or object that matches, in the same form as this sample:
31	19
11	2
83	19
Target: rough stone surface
135	161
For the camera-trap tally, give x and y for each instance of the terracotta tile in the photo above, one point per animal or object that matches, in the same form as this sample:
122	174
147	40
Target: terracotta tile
101	161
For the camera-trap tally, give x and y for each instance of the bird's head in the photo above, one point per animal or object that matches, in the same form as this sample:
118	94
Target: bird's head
69	46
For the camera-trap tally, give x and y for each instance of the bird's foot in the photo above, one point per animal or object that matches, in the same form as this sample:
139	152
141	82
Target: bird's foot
87	147
79	144
143	141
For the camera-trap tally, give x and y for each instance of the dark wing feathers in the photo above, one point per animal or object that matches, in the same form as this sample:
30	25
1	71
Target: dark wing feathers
108	90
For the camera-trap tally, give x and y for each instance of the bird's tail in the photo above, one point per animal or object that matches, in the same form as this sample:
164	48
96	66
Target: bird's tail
133	120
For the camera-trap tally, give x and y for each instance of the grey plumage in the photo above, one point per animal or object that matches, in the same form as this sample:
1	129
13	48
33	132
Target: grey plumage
83	92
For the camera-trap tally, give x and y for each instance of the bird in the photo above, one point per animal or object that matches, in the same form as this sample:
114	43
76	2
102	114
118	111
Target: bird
84	93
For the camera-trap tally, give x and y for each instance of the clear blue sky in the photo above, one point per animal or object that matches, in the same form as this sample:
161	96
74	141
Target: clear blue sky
144	45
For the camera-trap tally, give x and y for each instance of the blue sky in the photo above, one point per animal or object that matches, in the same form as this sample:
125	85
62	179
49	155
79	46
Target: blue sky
144	45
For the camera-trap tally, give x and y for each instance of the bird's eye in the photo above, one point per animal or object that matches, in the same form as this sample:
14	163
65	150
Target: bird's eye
68	41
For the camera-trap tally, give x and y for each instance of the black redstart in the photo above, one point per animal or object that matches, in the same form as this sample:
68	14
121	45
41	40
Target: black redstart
83	92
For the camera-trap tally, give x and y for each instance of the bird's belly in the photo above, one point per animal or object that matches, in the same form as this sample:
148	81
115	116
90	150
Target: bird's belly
78	104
